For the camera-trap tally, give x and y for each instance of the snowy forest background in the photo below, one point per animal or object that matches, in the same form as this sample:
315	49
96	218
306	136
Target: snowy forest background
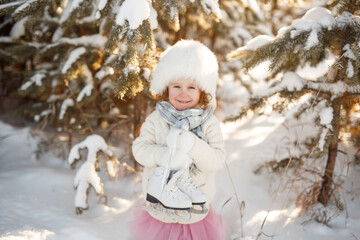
74	92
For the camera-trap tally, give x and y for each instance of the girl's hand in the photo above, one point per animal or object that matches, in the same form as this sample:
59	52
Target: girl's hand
185	141
179	160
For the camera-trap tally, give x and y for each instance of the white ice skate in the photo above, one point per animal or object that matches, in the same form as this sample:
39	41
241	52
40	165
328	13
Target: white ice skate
186	185
171	196
197	197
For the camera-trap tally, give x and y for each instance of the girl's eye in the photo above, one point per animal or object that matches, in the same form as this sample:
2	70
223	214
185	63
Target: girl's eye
191	87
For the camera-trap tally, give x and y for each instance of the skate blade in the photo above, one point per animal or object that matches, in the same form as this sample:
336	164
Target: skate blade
175	215
152	199
195	210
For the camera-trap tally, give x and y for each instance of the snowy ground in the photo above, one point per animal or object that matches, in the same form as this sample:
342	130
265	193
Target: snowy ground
37	197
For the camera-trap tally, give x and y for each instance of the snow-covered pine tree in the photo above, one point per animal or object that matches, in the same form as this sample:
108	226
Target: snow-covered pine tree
241	22
320	34
84	61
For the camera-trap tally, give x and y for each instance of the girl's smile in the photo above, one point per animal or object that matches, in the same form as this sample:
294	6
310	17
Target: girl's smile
184	94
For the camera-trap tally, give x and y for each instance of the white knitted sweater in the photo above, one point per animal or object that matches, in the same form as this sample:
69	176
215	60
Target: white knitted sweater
208	157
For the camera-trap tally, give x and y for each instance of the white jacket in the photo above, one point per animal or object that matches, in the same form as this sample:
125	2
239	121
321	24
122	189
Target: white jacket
151	145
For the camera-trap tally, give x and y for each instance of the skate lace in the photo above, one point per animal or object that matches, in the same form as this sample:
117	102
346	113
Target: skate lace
173	187
189	184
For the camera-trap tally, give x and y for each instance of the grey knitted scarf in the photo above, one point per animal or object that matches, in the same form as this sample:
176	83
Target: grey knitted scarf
190	119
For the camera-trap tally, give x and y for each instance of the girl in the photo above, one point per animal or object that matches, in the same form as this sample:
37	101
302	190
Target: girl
181	134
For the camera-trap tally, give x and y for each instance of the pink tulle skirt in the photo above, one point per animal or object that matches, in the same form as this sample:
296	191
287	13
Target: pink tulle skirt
145	227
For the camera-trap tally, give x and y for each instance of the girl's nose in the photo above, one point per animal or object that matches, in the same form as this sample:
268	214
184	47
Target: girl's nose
183	92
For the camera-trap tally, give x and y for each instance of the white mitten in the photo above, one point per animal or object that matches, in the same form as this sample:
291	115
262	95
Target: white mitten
185	141
171	138
179	160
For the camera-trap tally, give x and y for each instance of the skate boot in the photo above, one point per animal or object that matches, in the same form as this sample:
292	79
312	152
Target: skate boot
186	185
170	197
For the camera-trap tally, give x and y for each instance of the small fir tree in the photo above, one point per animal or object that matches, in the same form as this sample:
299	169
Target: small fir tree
310	40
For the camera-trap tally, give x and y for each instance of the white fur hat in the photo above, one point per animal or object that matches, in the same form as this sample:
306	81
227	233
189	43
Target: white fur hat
187	59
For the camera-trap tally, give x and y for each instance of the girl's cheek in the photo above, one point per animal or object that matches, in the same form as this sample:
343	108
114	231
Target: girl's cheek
172	94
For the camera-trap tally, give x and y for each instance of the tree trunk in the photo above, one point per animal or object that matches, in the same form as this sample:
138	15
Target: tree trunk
138	119
274	7
326	187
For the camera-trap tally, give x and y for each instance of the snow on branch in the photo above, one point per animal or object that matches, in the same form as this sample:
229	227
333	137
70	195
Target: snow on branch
69	9
354	89
95	40
94	144
74	56
35	79
292	82
134	11
104	72
18	30
86	91
336	89
87	176
313	21
326	116
24	6
251	46
100	6
89	87
64	106
11	5
211	7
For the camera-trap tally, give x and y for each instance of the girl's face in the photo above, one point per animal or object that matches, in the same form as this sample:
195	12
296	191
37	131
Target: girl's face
184	94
